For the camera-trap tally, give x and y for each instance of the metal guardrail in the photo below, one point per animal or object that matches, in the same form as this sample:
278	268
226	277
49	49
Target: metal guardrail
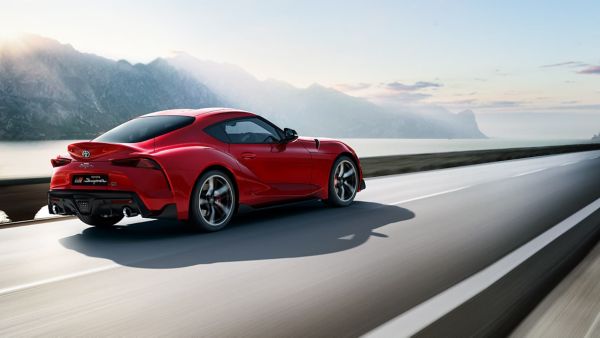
34	221
24	181
389	165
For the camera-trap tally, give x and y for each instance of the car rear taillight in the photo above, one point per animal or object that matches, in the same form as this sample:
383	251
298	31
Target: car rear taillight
137	163
60	161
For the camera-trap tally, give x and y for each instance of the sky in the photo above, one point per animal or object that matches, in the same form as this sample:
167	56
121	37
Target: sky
494	57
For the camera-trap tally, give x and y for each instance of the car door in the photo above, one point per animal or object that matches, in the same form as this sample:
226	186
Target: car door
284	167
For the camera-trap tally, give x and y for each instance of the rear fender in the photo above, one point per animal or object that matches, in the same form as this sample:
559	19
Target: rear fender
183	167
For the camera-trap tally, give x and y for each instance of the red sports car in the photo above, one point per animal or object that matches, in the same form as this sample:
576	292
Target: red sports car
198	166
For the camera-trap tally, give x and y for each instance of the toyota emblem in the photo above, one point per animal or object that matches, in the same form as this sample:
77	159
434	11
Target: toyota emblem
85	153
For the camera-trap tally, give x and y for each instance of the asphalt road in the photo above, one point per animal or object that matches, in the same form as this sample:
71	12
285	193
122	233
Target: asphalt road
293	271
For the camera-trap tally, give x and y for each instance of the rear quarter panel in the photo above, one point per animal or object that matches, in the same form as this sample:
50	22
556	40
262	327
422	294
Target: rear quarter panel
184	166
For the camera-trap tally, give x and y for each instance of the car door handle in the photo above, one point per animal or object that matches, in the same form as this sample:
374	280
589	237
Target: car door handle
248	156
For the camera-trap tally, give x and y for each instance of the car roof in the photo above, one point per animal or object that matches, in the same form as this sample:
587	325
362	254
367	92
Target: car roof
197	112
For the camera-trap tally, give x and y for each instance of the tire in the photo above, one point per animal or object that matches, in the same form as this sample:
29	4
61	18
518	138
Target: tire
211	210
100	222
342	191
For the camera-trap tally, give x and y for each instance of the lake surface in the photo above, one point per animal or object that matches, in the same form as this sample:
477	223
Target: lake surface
382	147
32	158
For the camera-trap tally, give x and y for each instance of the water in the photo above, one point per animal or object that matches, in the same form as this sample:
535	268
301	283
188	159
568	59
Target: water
20	159
383	147
32	158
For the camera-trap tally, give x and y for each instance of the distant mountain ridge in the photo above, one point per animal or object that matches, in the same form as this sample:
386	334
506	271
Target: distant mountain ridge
50	90
319	111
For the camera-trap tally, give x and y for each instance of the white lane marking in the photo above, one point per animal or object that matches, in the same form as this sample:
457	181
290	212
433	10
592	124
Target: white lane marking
431	195
568	163
592	328
426	313
529	172
57	279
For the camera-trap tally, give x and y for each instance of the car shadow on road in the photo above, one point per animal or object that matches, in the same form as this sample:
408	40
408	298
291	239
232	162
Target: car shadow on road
299	230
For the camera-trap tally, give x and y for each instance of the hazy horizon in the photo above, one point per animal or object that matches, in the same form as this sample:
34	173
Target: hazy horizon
522	70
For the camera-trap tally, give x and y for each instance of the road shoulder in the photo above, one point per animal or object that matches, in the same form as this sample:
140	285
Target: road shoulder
572	309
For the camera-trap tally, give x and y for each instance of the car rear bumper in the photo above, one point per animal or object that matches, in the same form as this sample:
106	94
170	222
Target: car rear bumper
106	203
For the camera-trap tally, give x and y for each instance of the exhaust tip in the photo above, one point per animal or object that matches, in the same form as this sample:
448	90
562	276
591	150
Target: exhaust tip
128	212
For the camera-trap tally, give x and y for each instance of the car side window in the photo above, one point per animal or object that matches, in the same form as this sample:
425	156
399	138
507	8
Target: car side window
250	130
218	131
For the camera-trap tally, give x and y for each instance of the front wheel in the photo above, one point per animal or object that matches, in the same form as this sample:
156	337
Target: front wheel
343	182
213	201
99	221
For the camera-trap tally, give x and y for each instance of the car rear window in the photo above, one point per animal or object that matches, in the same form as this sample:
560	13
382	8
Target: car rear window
144	128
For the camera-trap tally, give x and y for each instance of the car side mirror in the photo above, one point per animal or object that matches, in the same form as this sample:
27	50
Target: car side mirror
289	135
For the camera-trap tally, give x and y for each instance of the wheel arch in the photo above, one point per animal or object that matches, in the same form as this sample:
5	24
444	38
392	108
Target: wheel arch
227	172
356	162
185	164
348	154
354	159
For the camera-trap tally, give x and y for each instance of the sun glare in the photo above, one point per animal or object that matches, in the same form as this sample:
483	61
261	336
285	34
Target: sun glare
7	34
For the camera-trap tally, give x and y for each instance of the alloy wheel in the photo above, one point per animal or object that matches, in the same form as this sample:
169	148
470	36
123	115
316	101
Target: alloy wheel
345	180
216	200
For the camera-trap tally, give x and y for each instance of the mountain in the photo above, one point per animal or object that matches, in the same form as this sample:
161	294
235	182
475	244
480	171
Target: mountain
51	91
318	110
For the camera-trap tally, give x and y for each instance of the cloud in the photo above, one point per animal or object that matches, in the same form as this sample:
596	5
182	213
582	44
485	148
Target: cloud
592	107
475	103
469	102
397	86
465	94
350	87
500	72
587	68
405	97
503	104
392	92
570	105
572	64
590	70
